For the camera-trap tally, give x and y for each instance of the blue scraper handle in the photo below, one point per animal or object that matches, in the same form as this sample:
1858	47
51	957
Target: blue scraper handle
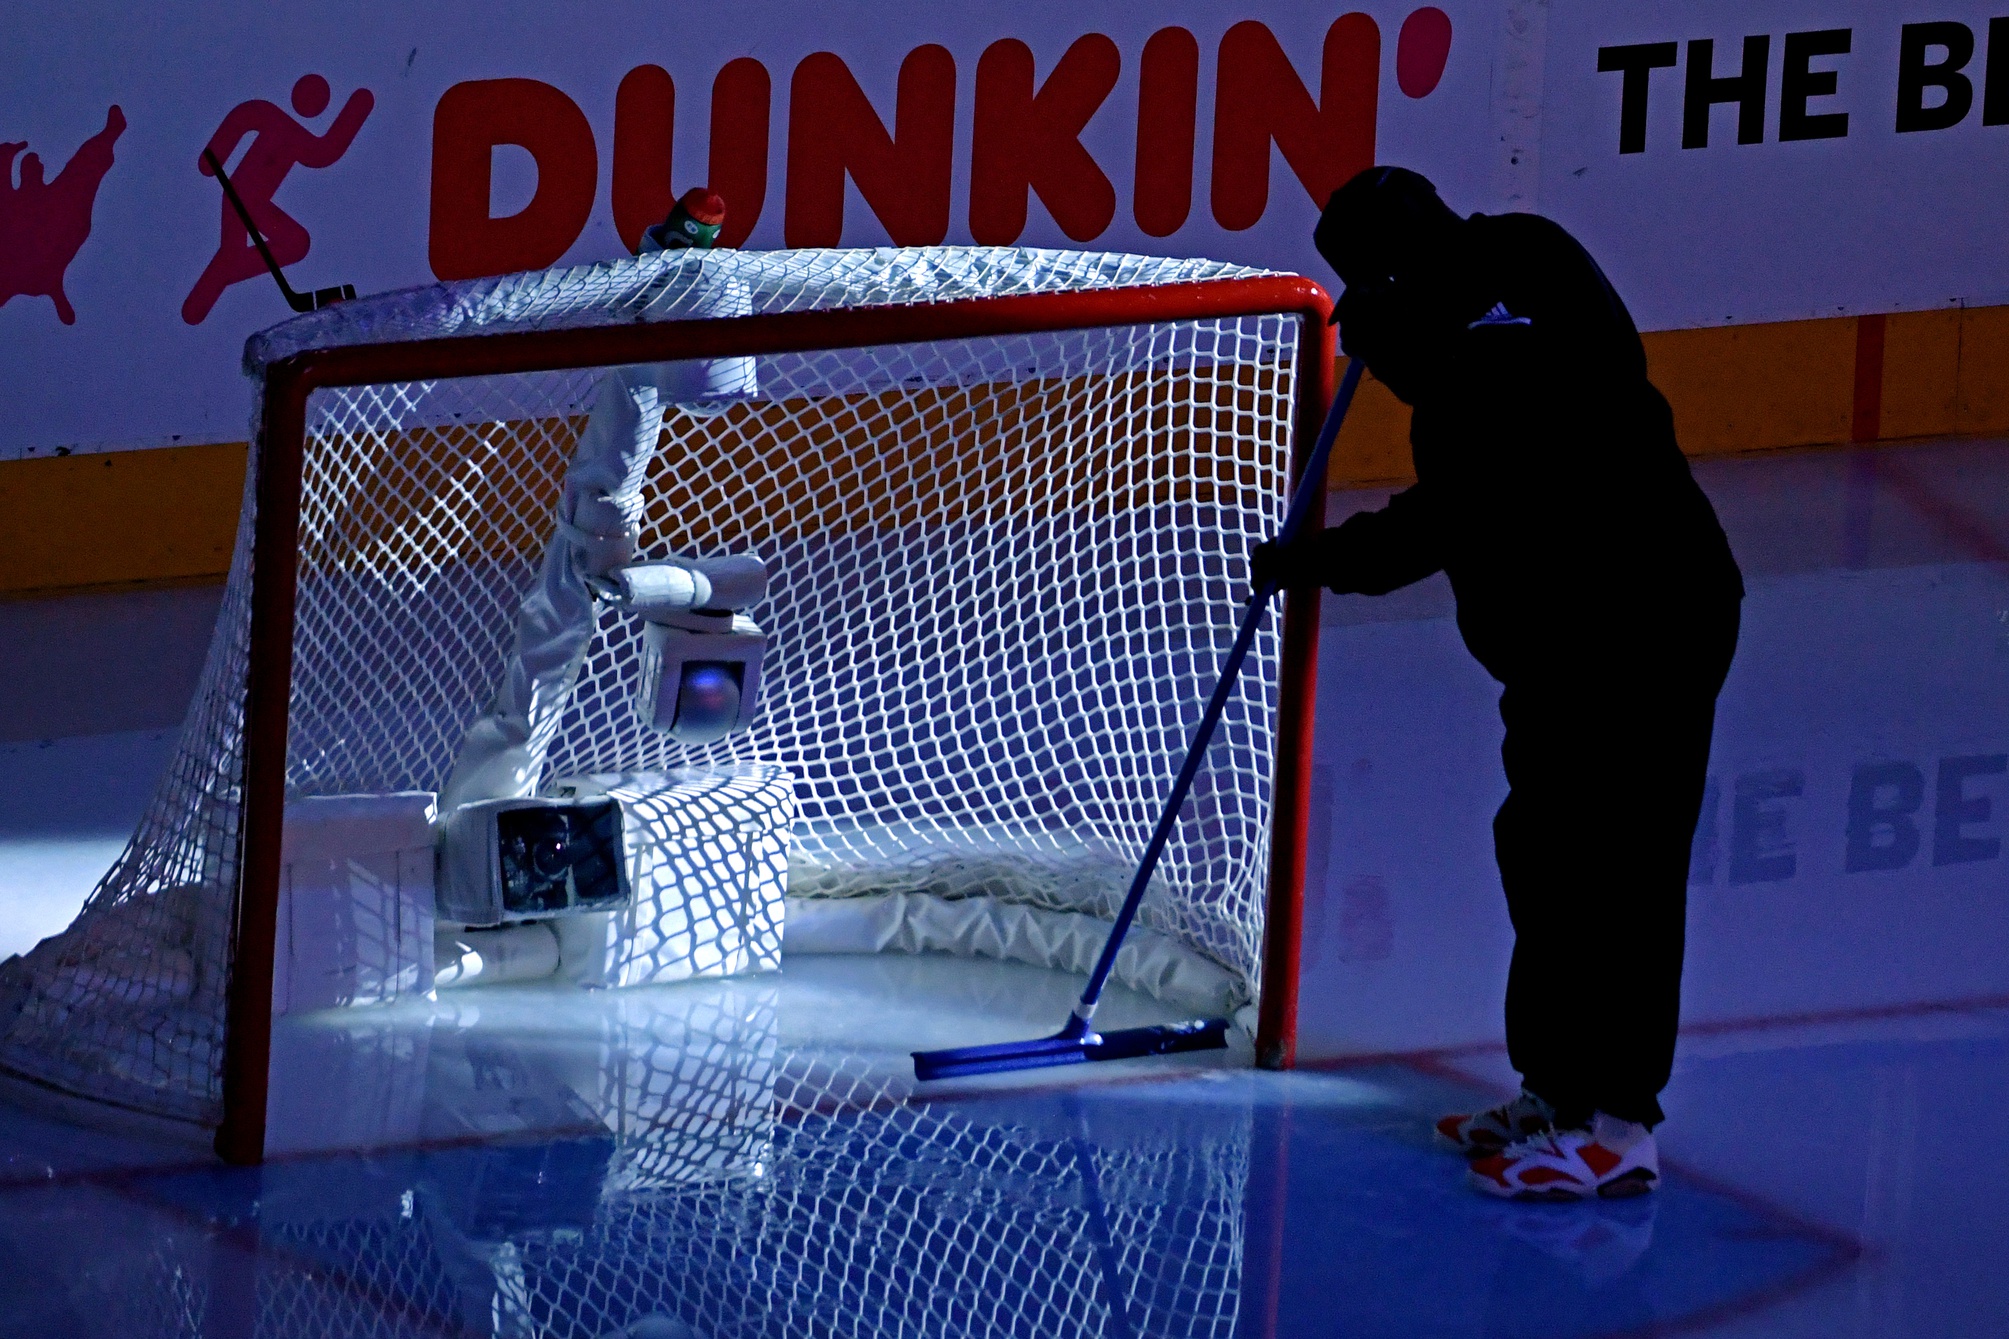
1077	1042
1310	488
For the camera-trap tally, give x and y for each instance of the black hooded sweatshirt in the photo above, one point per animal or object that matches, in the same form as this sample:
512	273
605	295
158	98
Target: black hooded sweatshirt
1549	486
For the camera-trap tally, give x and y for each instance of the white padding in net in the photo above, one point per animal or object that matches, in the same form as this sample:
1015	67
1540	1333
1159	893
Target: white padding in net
984	927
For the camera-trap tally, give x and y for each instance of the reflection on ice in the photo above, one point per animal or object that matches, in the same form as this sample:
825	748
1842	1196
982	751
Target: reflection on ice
655	1065
736	1157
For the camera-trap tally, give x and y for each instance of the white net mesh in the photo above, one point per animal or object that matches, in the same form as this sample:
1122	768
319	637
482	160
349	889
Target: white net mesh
683	285
1003	572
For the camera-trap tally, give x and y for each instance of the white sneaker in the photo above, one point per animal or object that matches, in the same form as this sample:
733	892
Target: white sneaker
1613	1159
1490	1131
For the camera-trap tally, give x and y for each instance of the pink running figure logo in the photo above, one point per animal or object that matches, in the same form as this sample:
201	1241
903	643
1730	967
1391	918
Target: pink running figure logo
278	145
43	224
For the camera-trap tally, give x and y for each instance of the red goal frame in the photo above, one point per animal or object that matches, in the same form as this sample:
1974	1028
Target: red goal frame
278	460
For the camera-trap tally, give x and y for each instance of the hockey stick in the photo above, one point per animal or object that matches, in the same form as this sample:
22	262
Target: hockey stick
1078	1041
299	302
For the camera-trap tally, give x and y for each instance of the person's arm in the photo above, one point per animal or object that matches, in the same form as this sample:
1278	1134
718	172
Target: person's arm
323	150
1370	553
1375	552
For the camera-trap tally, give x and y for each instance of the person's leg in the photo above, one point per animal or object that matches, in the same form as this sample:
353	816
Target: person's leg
1535	838
1630	976
1606	776
1598	892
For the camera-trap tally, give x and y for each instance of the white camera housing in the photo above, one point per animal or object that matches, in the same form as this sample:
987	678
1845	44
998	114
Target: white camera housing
701	654
700	675
531	859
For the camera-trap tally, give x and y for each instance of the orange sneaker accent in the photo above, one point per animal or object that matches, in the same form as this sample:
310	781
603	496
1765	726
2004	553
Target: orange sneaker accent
1477	1133
1599	1159
1493	1168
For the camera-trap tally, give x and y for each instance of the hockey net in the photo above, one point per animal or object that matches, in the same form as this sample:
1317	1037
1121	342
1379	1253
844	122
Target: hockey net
1006	540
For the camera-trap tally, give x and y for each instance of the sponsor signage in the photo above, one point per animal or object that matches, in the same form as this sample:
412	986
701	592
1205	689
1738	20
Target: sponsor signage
1726	162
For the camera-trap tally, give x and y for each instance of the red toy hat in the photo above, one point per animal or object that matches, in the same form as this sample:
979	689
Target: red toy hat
701	204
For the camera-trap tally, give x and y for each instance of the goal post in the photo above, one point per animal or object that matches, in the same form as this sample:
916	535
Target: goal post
1140	420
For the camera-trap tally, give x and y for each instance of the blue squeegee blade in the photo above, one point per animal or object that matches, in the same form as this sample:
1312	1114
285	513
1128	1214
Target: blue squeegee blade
1204	1034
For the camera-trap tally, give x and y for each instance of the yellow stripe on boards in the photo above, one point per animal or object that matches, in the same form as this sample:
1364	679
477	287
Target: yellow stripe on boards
119	518
168	515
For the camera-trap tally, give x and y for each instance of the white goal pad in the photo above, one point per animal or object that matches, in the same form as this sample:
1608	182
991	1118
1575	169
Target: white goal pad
356	917
1004	498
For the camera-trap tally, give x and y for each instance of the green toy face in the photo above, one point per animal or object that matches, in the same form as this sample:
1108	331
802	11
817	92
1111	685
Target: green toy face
697	234
679	232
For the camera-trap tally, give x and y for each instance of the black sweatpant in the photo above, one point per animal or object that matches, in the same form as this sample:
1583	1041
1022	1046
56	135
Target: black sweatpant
1606	762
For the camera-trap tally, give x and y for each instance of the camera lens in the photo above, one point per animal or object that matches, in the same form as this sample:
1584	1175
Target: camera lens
558	857
551	857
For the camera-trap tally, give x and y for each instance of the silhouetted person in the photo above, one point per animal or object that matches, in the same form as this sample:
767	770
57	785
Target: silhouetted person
1594	583
43	224
278	145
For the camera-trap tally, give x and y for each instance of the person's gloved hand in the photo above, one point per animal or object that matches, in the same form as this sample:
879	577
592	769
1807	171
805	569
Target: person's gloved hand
1274	567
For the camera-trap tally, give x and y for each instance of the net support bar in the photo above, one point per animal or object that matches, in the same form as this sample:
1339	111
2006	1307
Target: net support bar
1283	919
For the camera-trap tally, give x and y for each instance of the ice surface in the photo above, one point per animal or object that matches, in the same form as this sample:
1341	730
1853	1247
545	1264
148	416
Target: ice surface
1824	1172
